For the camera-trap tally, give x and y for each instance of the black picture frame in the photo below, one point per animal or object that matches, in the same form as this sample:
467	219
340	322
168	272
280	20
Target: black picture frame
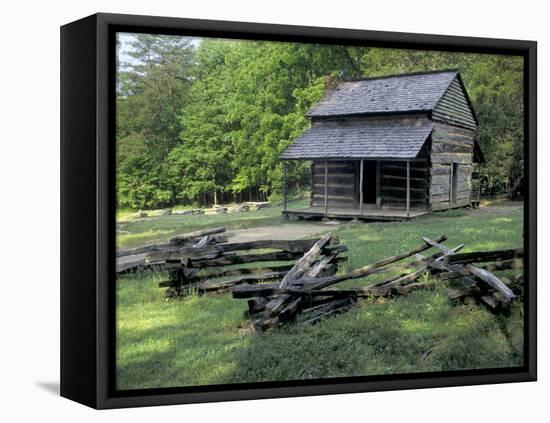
88	212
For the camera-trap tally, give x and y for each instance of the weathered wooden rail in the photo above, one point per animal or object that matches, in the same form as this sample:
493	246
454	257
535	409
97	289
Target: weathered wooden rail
204	262
300	292
282	279
140	258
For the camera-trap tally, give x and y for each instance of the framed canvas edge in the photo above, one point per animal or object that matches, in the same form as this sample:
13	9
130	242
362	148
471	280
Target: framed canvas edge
311	390
107	24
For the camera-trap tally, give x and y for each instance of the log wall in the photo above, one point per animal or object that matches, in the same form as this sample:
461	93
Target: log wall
430	175
450	144
394	182
342	184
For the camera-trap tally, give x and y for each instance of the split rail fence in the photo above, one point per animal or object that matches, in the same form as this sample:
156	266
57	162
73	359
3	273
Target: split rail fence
283	279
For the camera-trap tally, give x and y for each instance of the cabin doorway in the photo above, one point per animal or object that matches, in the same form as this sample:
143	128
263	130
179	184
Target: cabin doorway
369	182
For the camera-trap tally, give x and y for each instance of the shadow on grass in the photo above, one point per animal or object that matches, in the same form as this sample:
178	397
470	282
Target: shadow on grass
420	333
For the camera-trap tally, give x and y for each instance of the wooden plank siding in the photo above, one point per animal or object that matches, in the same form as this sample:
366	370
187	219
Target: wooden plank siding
341	185
450	144
394	182
453	107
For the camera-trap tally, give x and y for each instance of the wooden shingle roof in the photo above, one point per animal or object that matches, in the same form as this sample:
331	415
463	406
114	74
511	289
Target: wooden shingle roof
398	138
391	94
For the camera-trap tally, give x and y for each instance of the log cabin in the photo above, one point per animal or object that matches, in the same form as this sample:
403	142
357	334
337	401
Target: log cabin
390	148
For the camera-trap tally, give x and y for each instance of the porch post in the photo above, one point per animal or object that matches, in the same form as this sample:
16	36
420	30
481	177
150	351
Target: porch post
479	182
408	189
451	184
361	188
326	187
285	184
378	185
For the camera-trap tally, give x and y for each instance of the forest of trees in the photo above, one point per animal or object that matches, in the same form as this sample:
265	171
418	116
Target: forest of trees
204	121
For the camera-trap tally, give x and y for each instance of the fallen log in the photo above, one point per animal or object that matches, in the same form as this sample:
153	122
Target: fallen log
425	262
271	289
257	305
178	239
486	256
474	289
364	292
203	242
477	272
142	250
321	266
216	285
220	272
491	280
489	300
370	269
218	239
295	246
491	267
242	259
128	263
209	273
411	277
286	314
436	244
188	211
456	293
261	290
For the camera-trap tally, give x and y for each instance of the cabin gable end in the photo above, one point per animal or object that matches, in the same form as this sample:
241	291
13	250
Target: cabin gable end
454	107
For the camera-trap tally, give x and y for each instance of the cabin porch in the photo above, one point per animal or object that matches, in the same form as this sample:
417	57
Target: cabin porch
368	213
366	190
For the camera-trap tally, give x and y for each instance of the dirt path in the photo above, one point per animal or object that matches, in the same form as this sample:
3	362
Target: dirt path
283	231
496	208
310	229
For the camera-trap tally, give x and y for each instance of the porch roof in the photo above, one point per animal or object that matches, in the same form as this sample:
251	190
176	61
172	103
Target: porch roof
394	138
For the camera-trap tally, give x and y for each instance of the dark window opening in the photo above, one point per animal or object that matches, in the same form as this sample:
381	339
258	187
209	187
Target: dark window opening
369	182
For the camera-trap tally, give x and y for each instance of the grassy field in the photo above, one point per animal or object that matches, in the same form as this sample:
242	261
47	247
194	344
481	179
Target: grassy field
207	340
158	229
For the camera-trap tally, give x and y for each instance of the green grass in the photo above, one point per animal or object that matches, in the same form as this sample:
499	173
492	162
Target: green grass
207	340
158	229
122	215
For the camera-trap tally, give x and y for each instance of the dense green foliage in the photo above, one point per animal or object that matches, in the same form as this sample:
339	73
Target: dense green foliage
207	340
203	121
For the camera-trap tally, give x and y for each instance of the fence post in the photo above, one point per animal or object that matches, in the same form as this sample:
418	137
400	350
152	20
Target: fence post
408	189
326	188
